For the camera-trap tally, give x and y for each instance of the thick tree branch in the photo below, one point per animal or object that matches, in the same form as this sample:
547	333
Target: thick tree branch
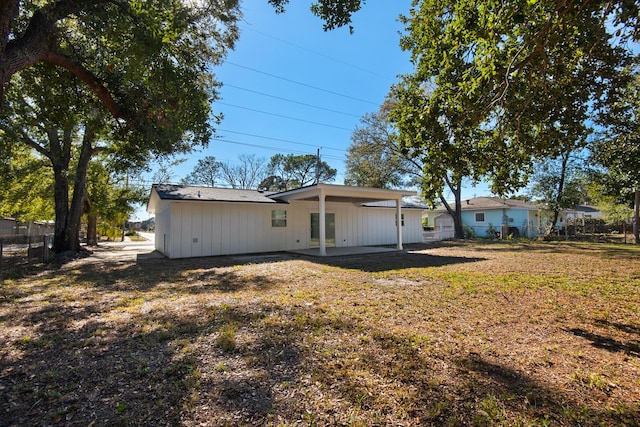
86	76
39	43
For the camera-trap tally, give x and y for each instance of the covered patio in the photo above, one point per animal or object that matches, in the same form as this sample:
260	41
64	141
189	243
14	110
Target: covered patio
323	193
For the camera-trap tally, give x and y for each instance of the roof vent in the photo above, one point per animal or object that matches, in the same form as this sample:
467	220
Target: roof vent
468	201
199	195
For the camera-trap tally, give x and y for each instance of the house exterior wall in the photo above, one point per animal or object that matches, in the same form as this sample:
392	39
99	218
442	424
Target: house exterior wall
192	229
524	219
163	228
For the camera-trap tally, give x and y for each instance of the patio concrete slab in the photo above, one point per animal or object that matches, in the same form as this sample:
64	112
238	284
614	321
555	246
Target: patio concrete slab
342	251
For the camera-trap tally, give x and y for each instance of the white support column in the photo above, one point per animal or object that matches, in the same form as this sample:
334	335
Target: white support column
323	231
399	222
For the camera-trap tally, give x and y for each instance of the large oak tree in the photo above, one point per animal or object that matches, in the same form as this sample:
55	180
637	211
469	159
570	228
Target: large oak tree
498	84
64	64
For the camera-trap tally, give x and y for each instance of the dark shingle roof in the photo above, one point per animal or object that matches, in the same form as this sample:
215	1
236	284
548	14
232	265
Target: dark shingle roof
212	194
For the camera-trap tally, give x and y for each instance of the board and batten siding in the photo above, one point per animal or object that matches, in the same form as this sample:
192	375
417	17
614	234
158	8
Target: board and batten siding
163	229
192	229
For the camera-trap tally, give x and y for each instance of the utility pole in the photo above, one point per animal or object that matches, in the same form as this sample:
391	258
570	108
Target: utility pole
318	166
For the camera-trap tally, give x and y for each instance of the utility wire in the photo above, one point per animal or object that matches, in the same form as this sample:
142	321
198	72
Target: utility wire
276	149
373	73
301	84
281	140
283	116
290	100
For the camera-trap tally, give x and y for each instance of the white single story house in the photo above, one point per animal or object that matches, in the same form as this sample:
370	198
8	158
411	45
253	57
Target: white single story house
205	221
486	215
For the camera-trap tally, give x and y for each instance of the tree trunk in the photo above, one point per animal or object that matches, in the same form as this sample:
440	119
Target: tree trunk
68	217
92	229
61	202
79	189
456	214
636	217
559	194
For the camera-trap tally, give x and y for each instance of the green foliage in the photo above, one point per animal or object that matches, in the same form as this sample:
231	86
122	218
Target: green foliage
27	186
334	13
374	158
468	232
109	195
297	171
206	172
131	79
148	63
619	151
497	84
559	183
492	232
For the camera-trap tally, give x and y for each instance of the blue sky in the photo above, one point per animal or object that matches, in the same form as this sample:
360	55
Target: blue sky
289	87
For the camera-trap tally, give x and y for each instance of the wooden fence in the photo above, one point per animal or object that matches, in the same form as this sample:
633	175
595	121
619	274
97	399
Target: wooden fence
16	250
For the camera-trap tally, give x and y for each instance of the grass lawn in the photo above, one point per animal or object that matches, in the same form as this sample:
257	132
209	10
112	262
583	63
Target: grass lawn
460	333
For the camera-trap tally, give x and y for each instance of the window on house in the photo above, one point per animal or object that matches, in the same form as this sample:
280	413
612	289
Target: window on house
401	219
479	216
278	218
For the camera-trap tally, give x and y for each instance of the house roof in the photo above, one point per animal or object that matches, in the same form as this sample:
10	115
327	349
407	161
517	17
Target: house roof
407	203
342	193
587	209
332	193
205	194
489	203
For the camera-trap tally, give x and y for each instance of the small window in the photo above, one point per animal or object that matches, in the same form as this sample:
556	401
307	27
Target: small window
278	218
479	216
402	219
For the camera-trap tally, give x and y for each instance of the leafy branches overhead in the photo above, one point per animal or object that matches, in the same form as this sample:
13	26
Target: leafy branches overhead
497	84
147	62
334	13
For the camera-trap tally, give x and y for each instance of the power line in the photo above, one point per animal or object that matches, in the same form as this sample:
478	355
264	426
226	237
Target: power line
373	73
281	140
290	100
283	116
276	149
301	83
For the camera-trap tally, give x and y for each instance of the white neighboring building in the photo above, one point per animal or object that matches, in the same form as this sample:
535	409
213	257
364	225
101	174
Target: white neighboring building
206	221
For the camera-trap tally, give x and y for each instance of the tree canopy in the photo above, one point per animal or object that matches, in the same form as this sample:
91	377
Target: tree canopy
206	172
296	171
509	80
147	62
334	13
374	158
129	78
618	153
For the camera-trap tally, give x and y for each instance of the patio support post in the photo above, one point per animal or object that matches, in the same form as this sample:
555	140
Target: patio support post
399	222
323	232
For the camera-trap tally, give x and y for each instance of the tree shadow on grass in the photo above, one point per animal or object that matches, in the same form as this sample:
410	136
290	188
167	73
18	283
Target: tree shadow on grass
78	367
532	400
194	276
607	343
389	261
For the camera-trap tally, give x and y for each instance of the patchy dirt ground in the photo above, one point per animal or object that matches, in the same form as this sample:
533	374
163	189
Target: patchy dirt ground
460	333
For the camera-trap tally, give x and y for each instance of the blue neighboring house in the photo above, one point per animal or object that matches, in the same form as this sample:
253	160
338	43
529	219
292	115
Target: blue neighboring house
485	216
